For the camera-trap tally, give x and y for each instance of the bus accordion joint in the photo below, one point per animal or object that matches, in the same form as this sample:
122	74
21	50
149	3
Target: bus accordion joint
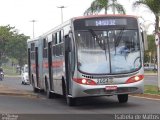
84	81
135	79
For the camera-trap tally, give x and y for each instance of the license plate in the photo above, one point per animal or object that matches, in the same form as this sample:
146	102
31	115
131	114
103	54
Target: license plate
111	87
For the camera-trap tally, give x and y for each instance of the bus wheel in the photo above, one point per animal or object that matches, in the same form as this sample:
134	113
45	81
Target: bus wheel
70	101
123	98
35	90
48	93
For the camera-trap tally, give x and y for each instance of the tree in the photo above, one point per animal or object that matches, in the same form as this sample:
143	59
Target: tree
12	44
153	6
17	48
98	5
6	34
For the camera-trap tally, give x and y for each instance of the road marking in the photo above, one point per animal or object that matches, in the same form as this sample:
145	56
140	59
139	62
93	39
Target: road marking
146	98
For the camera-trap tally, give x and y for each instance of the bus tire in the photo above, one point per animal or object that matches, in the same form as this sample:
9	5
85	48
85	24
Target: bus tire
47	90
123	98
35	90
69	100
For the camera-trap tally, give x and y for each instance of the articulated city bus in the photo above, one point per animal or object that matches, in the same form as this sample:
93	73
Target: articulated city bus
87	56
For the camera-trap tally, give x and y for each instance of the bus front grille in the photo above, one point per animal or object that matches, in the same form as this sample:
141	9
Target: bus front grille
103	91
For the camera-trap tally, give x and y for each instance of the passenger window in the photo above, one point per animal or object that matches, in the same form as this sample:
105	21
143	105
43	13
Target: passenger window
58	37
45	48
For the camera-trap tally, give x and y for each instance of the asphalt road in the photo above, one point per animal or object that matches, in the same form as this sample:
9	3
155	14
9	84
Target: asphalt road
15	82
98	105
151	80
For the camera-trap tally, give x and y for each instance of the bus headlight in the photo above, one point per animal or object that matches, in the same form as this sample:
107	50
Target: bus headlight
84	81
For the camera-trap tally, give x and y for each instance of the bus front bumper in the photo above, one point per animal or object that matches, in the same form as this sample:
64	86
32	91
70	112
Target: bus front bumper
80	90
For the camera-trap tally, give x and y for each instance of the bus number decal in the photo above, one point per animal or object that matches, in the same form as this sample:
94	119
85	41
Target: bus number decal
102	81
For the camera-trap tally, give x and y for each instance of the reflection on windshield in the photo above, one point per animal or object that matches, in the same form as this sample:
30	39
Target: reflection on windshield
108	52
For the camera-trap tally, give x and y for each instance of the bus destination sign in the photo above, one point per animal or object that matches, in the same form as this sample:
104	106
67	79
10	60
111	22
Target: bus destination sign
105	22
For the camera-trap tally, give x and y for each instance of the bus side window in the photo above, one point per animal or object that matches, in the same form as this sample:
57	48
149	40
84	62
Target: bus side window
61	45
53	39
60	39
45	48
53	44
62	35
56	44
32	51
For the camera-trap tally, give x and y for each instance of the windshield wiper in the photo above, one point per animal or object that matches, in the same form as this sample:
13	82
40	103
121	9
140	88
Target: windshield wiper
99	41
119	37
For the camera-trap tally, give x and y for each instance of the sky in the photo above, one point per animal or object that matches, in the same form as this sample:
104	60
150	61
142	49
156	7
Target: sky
20	13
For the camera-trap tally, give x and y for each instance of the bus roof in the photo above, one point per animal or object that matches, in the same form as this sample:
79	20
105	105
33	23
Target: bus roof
105	15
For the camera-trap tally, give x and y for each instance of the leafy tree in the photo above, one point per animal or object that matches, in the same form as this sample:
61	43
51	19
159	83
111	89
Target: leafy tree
98	5
18	48
6	34
12	44
153	6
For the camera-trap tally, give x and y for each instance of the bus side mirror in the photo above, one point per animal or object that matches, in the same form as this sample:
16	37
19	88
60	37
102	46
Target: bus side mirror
68	44
144	39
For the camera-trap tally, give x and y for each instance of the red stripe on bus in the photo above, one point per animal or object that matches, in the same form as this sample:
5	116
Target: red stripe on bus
33	65
57	64
45	65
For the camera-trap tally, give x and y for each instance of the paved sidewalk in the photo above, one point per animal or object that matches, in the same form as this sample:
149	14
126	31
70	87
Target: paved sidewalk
6	90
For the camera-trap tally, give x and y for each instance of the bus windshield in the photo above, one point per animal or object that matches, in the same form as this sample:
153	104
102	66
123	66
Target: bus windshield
108	51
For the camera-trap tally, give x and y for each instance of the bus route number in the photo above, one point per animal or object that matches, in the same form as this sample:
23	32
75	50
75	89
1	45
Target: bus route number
102	81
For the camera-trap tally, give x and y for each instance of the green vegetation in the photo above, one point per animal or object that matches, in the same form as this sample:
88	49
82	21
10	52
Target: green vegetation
12	45
150	71
10	70
150	89
98	5
153	6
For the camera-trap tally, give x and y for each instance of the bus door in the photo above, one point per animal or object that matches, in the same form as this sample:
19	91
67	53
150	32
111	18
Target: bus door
29	63
50	65
37	66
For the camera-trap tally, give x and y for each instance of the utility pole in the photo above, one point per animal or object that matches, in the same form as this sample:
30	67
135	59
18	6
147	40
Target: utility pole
61	7
33	21
157	41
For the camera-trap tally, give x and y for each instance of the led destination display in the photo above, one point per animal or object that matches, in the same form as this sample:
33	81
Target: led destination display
105	22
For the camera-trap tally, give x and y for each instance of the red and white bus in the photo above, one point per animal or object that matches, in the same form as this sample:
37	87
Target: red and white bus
86	56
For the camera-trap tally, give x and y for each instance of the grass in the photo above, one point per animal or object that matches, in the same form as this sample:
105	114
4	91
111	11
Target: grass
9	70
150	89
150	71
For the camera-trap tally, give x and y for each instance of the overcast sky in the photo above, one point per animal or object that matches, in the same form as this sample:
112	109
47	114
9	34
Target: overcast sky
19	13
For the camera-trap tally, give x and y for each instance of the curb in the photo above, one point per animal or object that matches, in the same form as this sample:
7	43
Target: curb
19	94
151	96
